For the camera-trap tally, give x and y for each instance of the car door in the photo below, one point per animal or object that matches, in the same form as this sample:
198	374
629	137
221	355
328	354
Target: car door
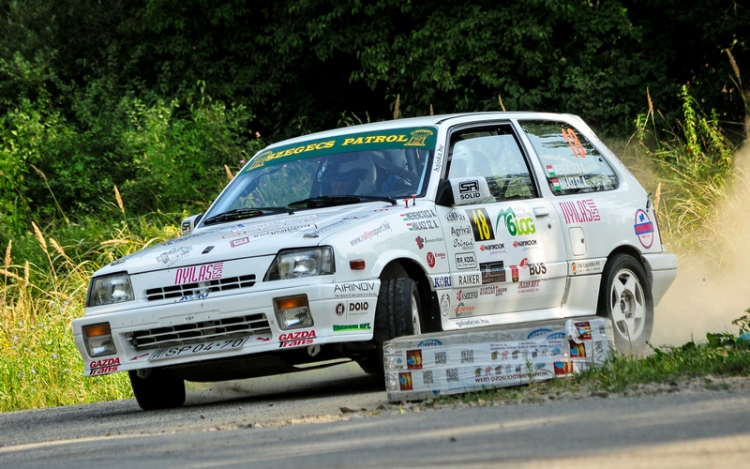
506	252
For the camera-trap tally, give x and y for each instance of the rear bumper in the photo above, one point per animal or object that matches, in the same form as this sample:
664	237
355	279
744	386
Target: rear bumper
663	269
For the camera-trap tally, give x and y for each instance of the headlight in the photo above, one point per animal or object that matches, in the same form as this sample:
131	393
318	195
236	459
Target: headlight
300	263
109	289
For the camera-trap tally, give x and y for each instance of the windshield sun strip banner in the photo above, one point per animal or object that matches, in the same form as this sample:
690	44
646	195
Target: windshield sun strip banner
420	138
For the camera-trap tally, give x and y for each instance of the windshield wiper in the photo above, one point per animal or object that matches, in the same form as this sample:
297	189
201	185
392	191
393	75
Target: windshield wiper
240	213
333	200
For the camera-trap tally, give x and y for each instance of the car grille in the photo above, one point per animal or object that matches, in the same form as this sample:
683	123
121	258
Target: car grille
200	332
189	289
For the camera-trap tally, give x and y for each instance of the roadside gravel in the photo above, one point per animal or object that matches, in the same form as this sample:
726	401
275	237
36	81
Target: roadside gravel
372	404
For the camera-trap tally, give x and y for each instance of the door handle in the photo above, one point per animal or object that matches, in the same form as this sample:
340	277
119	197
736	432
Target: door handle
540	212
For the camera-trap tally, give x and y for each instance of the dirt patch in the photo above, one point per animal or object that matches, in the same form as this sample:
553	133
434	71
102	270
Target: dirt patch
712	286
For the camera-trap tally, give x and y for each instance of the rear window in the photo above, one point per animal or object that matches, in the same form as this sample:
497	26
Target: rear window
571	163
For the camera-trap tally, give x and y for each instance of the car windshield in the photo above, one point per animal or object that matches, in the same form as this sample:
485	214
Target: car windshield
390	164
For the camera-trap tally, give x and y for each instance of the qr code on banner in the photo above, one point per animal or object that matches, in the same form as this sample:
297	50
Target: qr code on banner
440	358
427	377
598	347
467	356
452	374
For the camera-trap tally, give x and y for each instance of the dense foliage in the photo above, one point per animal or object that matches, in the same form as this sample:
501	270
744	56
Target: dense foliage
156	96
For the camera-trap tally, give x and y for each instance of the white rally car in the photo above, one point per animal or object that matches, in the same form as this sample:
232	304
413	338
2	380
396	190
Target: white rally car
325	246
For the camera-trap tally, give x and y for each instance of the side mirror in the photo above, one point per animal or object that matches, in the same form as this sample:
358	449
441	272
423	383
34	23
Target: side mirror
463	191
188	224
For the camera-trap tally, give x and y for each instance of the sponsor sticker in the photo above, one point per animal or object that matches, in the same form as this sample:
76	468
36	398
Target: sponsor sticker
515	224
492	249
468	280
454	216
463	310
354	289
239	241
357	308
371	234
492	272
466	260
297	339
492	290
378	140
438	159
445	304
469	190
173	255
529	286
469	322
526	244
464	244
467	295
443	281
536	269
199	273
644	228
580	211
420	220
104	366
586	267
352	327
565	169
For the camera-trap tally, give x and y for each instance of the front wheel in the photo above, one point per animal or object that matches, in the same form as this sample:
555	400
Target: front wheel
397	314
625	298
159	389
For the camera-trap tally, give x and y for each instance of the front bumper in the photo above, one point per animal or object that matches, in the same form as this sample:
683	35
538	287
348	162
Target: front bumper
225	326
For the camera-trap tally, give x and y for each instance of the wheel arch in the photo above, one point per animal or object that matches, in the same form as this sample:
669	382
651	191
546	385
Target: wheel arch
635	254
403	267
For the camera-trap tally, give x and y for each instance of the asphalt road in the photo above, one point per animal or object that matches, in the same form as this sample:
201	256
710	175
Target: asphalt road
297	422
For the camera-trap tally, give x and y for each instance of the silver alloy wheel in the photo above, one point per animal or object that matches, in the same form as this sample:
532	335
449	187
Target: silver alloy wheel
415	316
628	305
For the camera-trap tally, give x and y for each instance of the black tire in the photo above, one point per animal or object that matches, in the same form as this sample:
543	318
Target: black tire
161	389
625	298
397	314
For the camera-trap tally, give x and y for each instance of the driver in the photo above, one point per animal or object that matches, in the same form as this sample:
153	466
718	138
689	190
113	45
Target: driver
355	174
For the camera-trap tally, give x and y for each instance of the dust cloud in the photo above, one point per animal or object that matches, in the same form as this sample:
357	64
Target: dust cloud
712	287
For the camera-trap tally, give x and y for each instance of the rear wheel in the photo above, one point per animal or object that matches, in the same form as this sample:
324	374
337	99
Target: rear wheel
160	389
397	314
625	298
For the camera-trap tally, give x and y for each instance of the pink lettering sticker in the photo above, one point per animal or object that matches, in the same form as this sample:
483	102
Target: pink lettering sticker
201	273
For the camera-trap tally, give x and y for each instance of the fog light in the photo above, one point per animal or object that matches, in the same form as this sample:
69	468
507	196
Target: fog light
293	312
98	340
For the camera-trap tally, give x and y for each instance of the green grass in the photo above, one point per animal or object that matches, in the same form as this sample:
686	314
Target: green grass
40	296
722	356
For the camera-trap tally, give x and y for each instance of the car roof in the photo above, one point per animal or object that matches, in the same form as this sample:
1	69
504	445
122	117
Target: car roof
425	121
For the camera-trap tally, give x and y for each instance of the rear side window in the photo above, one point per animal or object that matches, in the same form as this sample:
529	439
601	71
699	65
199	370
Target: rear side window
571	163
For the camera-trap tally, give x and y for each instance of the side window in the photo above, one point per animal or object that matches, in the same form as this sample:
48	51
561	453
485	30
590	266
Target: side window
494	154
571	163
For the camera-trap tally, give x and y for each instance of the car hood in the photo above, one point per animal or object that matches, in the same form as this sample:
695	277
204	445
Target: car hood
252	237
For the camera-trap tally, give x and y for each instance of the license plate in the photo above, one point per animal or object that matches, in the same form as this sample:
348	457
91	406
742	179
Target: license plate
199	349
